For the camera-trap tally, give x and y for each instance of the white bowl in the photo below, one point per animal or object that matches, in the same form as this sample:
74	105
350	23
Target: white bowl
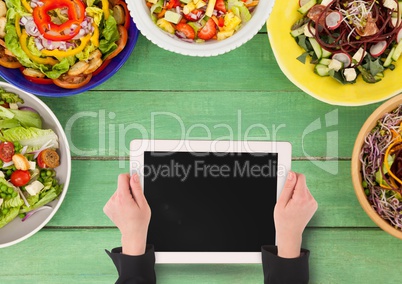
17	231
142	18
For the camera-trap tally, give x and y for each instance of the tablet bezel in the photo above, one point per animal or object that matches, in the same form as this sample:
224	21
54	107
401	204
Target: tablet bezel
282	148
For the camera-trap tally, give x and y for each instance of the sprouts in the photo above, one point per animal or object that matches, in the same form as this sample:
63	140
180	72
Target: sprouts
386	197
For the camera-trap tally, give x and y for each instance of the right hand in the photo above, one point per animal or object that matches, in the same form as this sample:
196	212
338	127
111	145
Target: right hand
129	211
294	209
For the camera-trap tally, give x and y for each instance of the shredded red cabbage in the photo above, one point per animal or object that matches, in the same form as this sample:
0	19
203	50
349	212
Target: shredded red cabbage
387	203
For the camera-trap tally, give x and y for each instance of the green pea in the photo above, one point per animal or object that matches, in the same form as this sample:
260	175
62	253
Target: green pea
14	194
49	173
9	172
10	190
367	192
3	195
21	215
43	174
4	188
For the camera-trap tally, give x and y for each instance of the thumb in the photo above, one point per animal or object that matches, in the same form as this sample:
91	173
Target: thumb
288	188
136	190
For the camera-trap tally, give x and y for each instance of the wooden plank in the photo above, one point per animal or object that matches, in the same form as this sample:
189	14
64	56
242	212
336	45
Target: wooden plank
104	123
93	182
77	256
252	66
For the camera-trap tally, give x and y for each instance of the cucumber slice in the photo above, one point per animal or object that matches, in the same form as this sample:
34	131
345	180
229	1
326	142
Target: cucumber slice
304	9
325	61
326	53
397	52
317	48
322	70
298	31
388	60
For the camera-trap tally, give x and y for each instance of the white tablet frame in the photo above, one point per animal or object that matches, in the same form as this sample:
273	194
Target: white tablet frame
284	150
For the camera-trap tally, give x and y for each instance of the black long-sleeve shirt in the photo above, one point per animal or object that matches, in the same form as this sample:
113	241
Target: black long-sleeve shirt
277	270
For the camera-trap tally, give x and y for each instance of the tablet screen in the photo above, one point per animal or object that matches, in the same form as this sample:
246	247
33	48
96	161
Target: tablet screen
210	202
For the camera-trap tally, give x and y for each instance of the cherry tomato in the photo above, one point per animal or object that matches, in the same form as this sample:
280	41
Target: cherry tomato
72	82
6	151
20	177
40	162
121	43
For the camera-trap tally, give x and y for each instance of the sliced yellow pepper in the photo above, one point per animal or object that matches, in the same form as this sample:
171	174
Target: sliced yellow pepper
69	52
37	59
17	24
105	8
95	36
26	6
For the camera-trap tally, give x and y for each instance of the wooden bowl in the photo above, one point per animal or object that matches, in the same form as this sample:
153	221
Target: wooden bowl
356	165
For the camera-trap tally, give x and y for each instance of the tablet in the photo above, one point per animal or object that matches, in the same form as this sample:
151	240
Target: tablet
211	201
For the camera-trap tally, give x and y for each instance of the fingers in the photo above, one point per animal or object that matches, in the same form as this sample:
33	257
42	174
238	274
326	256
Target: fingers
287	191
137	192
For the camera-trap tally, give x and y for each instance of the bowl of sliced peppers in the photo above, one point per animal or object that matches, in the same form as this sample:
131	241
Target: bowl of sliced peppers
64	47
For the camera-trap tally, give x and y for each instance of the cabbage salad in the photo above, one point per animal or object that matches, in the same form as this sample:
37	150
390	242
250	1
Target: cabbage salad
28	158
381	159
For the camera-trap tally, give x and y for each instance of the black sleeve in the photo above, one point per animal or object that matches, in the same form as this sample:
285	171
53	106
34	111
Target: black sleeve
134	269
278	270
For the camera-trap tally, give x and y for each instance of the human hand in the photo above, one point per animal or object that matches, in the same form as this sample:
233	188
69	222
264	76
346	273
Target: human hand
294	209
129	211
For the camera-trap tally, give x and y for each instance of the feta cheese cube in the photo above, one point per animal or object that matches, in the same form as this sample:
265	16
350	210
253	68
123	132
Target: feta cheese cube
335	65
350	74
359	55
390	4
34	188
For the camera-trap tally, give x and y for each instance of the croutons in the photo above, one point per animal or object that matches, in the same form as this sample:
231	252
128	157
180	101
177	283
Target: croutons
3	22
3	9
21	162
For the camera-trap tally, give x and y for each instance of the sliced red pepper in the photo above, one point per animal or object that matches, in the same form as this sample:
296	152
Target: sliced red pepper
52	31
172	4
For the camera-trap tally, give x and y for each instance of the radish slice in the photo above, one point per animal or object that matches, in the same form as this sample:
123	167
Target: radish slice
345	58
333	20
399	36
378	48
302	2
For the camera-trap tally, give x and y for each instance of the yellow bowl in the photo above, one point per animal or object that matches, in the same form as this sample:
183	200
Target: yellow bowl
356	165
326	89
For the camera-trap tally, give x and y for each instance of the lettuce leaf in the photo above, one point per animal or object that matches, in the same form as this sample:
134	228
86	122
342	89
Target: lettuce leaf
110	35
9	216
37	202
12	202
25	117
32	137
7	97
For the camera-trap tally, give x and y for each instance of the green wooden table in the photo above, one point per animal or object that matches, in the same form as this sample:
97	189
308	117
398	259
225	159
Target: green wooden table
162	95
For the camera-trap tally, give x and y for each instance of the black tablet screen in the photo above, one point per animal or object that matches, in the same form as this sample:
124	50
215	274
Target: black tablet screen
210	201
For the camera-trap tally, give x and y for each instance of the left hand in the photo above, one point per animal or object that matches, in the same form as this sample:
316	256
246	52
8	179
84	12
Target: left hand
129	211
